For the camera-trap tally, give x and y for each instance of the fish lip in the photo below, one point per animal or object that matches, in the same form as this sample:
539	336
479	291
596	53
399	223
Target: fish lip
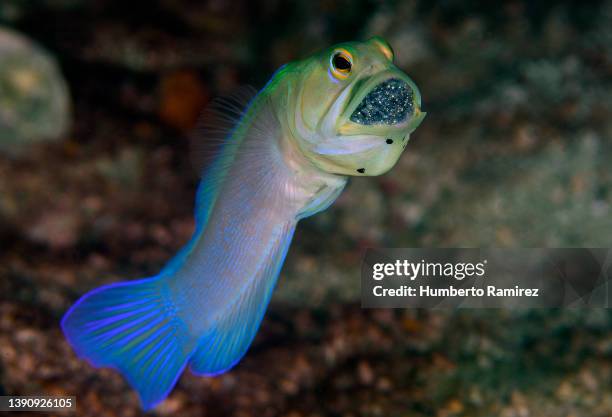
347	125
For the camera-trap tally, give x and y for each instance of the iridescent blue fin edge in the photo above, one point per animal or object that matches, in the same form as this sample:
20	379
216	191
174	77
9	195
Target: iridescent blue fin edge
132	327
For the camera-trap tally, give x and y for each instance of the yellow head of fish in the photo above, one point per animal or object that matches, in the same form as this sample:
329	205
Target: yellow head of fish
351	110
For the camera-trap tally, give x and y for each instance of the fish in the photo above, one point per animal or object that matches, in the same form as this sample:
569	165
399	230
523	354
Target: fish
267	160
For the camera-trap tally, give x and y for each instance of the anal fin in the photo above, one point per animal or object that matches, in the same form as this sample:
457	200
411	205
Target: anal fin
229	338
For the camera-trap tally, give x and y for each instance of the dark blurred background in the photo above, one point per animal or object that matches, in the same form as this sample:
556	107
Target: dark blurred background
97	99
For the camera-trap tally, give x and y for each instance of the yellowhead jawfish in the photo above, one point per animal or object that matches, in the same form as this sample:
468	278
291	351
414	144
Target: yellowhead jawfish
269	159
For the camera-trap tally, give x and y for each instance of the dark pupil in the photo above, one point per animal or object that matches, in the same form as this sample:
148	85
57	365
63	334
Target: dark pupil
341	62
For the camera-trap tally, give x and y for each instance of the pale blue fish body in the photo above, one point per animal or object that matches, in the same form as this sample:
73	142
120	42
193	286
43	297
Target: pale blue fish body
280	159
268	187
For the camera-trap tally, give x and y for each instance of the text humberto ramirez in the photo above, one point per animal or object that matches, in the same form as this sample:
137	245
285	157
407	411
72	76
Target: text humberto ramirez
457	271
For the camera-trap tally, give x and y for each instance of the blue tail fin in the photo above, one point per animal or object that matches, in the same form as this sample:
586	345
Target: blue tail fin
132	327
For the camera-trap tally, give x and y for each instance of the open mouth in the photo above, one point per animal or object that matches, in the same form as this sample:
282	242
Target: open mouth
389	103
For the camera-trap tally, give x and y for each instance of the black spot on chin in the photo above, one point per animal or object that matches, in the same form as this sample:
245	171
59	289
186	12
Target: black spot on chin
361	170
389	141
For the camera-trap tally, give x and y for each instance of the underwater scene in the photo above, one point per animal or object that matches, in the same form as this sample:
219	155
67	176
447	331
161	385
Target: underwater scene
134	144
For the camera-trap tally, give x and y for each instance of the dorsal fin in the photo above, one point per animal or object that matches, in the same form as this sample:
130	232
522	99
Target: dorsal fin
215	126
213	145
213	148
218	142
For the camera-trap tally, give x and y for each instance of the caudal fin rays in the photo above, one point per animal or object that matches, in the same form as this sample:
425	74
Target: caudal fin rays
132	327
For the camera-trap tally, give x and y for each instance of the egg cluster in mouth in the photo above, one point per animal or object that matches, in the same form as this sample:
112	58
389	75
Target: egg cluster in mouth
389	103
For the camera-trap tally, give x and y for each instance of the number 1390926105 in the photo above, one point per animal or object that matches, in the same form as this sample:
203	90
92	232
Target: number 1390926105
37	403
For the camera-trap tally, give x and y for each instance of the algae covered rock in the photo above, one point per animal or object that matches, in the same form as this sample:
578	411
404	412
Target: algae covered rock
34	100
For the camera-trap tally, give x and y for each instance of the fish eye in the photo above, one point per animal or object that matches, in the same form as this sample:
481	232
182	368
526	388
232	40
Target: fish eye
341	63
